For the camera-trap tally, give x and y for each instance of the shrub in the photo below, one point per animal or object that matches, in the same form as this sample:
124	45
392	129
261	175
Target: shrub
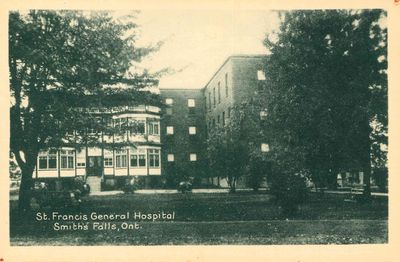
380	175
130	186
290	191
80	185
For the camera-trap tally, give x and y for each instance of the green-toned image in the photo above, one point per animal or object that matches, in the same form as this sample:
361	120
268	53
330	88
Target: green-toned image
198	127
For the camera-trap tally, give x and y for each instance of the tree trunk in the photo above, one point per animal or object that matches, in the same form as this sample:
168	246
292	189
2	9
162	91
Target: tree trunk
367	181
367	162
25	190
232	184
332	180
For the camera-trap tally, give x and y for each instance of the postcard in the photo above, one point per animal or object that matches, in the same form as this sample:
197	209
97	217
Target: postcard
174	131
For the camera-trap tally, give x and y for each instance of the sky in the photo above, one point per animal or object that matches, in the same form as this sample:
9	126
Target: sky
196	43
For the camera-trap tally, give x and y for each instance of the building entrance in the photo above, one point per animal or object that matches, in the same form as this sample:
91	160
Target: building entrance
94	166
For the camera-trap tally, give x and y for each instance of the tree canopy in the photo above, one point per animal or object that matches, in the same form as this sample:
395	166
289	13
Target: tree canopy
234	148
61	60
326	91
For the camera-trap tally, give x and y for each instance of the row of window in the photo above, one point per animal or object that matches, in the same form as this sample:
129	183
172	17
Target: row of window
122	125
135	127
168	111
49	161
138	158
154	128
221	119
217	92
192	130
192	157
190	102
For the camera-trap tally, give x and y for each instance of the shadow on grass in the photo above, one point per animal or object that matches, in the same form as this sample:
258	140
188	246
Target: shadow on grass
242	218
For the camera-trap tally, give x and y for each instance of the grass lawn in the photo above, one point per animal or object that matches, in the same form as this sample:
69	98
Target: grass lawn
243	218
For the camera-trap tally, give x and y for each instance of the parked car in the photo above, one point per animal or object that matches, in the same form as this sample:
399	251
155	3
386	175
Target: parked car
185	186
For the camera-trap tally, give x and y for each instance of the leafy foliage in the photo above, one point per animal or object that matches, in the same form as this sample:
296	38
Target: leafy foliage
290	191
59	60
234	149
326	85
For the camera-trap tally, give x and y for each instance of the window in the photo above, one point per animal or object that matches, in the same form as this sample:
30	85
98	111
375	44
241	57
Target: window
263	114
43	162
138	158
209	100
218	119
108	122
117	125
171	158
169	101
120	125
153	128
214	99
229	112
170	130
192	130
108	158
154	157
120	158
52	160
48	160
223	118
67	159
193	157
80	161
94	126
136	127
108	161
260	75
134	160
191	102
142	159
213	123
264	147
226	84
169	111
219	92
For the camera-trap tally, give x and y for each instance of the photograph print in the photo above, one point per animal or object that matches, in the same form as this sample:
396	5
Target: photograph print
198	127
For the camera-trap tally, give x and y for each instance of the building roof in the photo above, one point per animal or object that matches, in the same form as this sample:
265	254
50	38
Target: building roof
226	60
179	89
229	58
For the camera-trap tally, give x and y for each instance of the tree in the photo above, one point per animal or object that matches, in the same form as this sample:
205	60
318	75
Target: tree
259	168
326	85
234	149
227	157
59	63
290	191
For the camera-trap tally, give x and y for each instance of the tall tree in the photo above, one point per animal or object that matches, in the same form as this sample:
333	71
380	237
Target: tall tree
234	149
326	87
61	60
